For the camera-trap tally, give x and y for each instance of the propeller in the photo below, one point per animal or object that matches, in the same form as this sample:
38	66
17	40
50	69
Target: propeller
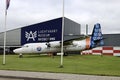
48	43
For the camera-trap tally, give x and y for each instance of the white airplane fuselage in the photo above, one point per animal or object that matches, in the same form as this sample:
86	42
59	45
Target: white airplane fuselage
55	47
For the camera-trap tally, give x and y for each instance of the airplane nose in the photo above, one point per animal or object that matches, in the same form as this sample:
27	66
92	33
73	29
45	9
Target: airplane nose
17	50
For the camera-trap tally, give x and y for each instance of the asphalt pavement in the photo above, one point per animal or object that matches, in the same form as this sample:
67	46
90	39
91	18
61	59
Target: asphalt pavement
21	78
24	75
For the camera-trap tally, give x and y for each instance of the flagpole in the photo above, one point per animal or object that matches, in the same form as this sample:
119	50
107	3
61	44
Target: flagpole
62	52
4	52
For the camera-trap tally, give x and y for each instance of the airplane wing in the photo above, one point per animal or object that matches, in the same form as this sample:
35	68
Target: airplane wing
69	42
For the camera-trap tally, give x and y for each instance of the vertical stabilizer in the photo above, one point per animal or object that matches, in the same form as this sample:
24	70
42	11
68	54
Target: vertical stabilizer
97	37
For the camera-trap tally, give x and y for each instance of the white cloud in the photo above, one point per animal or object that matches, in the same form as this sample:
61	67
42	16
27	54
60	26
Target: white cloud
26	12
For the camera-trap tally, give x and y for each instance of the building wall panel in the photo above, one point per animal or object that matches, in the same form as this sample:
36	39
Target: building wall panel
13	38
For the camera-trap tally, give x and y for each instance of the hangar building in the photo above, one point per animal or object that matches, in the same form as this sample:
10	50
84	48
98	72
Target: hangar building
112	39
41	32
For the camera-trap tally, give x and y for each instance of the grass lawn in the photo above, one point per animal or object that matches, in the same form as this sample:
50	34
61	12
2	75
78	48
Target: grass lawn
87	64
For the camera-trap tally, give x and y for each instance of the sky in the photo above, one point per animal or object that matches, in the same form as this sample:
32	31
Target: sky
26	12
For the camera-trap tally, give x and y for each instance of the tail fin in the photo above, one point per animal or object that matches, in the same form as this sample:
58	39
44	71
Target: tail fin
97	37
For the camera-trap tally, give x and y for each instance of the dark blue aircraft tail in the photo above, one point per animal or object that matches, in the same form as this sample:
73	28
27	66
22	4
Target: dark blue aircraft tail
97	37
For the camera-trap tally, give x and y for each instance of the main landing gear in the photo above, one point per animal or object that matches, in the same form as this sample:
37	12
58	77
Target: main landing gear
20	56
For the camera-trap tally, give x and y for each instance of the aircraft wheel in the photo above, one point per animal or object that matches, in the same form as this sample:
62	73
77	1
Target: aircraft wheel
20	56
65	54
54	54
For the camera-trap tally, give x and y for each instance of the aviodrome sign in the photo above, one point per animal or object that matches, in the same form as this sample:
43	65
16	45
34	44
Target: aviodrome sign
41	32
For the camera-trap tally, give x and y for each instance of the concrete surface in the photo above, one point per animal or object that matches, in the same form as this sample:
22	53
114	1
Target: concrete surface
23	75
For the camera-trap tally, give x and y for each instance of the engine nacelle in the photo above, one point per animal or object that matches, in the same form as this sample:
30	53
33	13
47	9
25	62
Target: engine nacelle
83	43
55	44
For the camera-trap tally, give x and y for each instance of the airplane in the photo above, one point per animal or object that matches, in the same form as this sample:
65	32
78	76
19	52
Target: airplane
95	40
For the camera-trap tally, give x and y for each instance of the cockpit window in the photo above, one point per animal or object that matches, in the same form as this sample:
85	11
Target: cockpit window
25	46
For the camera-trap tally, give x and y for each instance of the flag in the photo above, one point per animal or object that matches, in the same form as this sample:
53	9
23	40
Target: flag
7	4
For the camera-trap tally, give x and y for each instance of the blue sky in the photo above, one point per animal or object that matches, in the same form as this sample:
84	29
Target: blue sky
27	12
